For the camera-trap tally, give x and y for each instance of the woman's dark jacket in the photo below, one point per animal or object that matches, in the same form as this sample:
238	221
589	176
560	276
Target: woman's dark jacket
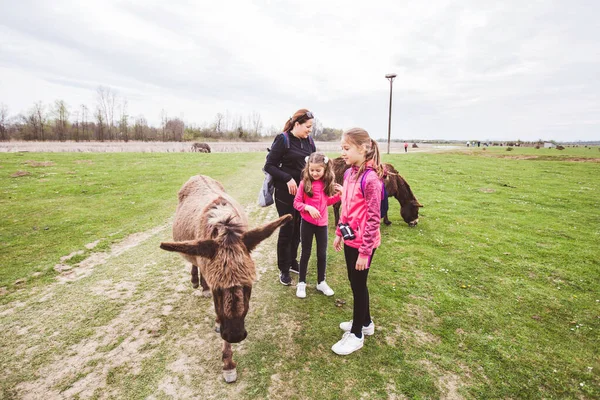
285	163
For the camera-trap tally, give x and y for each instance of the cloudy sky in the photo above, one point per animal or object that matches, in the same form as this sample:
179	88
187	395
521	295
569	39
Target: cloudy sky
471	69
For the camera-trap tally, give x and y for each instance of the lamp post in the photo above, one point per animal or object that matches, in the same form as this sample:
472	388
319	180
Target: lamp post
391	78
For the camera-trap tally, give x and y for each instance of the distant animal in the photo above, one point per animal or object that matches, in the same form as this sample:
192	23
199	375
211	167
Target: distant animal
201	147
395	186
211	231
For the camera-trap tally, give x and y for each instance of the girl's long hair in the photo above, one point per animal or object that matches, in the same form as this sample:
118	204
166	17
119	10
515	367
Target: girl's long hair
328	178
360	138
300	116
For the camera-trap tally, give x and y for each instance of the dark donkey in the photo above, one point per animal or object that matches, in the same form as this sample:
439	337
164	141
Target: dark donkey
211	232
395	186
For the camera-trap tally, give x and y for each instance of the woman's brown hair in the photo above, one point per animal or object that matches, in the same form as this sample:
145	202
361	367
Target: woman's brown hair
328	175
300	116
360	138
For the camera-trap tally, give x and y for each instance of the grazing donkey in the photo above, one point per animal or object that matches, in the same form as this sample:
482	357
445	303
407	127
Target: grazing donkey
201	147
395	186
211	231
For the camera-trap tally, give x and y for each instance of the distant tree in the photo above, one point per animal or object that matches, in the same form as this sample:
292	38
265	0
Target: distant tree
219	122
107	99
100	124
317	131
84	122
331	134
61	118
256	123
124	122
139	127
3	122
175	128
163	124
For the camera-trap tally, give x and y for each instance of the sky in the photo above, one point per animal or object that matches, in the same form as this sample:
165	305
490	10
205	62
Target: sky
466	70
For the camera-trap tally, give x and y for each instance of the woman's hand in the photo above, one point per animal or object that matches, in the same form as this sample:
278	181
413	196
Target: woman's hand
362	262
338	188
292	187
313	212
337	243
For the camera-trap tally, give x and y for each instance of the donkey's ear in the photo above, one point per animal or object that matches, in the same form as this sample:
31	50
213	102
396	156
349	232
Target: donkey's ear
253	237
202	248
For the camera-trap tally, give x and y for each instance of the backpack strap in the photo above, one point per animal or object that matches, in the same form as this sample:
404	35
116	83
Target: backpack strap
286	140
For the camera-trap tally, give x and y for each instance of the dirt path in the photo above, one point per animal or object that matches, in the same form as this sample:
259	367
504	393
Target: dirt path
123	324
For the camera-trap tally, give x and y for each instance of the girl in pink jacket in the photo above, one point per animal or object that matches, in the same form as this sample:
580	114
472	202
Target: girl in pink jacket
317	190
358	228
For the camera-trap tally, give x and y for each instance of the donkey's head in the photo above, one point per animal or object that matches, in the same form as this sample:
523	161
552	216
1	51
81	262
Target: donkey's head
228	269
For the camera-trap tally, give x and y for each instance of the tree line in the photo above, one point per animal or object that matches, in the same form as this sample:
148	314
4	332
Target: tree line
109	120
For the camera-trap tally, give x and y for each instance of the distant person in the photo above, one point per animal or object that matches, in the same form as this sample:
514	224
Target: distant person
285	162
317	190
405	147
468	143
358	230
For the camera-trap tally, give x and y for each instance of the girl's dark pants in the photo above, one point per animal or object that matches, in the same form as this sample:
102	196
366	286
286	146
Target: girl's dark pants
307	231
289	234
361	315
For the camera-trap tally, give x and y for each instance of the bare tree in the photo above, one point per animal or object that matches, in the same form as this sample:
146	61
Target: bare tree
219	122
3	122
175	127
256	123
124	121
41	119
61	114
163	124
100	124
138	129
84	115
107	99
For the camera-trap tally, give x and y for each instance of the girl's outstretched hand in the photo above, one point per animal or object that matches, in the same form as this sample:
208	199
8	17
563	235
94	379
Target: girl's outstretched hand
313	212
337	243
362	262
338	188
292	187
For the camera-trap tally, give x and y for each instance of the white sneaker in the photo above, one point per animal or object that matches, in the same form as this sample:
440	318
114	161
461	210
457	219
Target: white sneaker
324	287
301	290
366	330
349	344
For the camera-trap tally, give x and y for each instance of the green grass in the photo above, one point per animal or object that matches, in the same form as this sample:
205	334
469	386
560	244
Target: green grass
81	198
495	294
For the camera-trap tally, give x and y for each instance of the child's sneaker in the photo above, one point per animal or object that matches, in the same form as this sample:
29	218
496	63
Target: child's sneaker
324	287
366	330
349	344
301	290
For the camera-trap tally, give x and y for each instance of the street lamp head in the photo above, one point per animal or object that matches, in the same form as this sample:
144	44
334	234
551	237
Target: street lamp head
390	76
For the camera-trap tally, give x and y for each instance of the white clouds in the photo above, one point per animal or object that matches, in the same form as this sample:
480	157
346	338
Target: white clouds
506	69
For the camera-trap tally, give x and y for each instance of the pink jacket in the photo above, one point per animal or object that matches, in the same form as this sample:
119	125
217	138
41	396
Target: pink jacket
319	200
362	213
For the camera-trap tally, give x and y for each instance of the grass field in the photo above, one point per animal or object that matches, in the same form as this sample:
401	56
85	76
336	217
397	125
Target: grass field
495	294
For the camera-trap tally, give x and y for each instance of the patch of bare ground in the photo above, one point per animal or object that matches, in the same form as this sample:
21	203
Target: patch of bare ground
19	173
448	383
33	163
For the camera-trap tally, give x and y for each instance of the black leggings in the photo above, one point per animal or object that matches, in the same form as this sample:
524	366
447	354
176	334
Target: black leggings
307	231
361	315
289	234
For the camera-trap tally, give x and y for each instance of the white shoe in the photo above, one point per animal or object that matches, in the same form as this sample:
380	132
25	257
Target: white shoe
324	287
301	290
366	330
349	344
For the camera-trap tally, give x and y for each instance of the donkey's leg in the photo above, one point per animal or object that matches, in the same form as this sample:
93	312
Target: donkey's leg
386	220
229	371
217	325
205	288
194	273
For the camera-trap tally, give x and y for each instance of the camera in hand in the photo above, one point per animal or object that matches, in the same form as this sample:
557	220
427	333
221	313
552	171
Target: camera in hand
347	232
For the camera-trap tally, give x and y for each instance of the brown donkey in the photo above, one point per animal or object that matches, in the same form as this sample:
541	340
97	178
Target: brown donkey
395	186
211	231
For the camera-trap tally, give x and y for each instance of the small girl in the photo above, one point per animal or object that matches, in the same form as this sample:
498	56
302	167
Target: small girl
317	190
360	211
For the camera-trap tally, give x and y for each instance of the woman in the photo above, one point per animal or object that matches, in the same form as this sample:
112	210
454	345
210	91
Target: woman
285	163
